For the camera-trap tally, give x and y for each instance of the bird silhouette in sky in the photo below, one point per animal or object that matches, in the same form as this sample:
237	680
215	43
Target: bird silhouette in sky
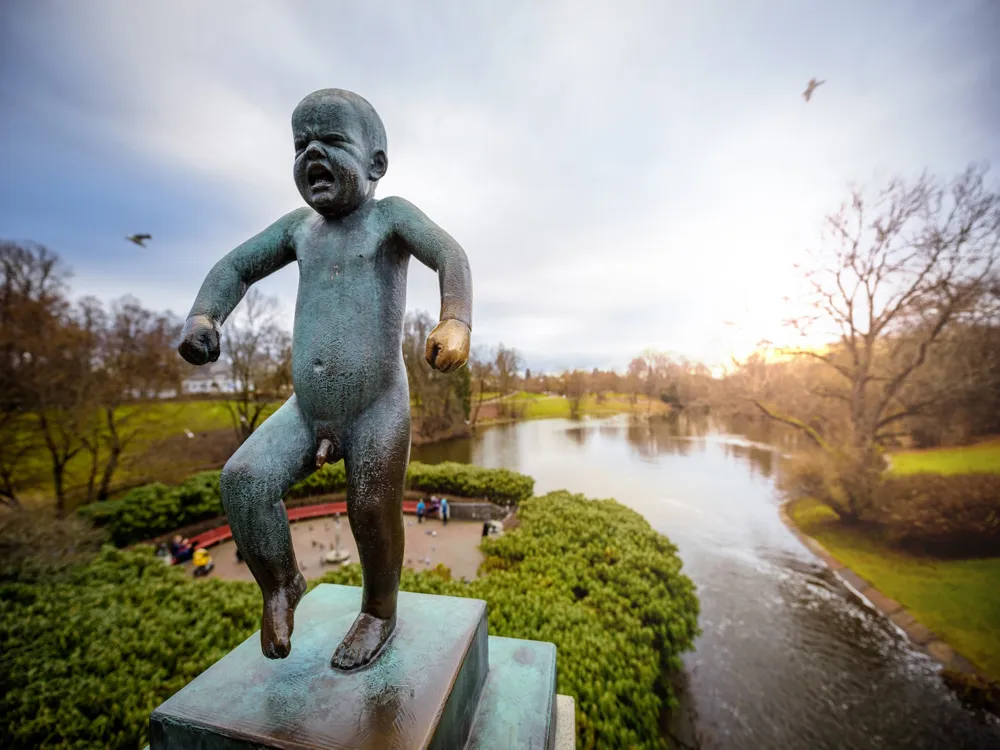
813	84
139	239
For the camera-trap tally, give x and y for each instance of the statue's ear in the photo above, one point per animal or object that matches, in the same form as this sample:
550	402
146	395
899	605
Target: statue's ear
379	165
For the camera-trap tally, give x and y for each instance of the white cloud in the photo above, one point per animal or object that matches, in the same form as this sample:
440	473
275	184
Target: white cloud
620	176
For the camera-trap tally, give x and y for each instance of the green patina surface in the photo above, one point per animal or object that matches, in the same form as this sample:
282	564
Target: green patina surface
402	700
517	708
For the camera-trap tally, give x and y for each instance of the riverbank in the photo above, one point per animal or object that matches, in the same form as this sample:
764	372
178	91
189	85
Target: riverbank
947	608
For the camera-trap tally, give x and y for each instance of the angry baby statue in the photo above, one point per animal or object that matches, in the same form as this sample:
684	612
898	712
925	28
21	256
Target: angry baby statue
351	397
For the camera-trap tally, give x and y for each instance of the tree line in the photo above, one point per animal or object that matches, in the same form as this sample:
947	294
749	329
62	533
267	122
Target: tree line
74	374
69	371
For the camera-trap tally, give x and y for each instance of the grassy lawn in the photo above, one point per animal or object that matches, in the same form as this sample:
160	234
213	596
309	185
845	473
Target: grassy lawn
965	459
158	420
957	599
541	406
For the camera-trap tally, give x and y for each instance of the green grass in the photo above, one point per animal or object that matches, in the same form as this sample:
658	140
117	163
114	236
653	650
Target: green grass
965	459
541	406
155	421
957	599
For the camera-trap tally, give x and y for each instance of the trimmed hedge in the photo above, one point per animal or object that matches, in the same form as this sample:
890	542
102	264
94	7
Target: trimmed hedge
500	486
88	655
948	515
154	509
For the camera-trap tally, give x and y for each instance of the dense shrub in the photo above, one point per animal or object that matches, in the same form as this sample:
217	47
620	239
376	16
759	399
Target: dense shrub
35	543
956	514
500	486
87	657
328	480
154	509
844	480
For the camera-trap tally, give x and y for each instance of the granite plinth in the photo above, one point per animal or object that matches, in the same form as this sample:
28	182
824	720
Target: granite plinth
518	706
421	692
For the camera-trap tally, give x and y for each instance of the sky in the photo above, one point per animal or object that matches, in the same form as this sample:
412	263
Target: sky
622	176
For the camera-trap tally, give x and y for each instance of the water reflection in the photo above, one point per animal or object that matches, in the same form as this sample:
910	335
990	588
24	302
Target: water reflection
788	657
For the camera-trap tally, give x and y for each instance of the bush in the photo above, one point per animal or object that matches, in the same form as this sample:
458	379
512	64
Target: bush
844	480
330	479
500	486
155	509
948	515
89	655
593	578
35	544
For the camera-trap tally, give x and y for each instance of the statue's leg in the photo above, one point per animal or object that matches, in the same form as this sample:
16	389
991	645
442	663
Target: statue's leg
376	450
277	455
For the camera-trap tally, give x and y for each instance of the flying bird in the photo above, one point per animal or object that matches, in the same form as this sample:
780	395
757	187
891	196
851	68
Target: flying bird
813	84
139	239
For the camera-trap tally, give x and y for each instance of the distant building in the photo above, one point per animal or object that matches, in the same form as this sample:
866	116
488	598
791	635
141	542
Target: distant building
214	377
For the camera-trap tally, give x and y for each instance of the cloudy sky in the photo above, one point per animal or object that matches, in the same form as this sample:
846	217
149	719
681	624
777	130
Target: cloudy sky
622	175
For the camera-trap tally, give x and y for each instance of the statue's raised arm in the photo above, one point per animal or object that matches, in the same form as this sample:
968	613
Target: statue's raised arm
228	281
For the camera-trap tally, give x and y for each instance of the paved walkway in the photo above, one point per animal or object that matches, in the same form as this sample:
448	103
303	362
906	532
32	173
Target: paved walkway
456	546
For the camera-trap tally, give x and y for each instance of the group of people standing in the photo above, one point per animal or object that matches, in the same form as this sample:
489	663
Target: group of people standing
438	506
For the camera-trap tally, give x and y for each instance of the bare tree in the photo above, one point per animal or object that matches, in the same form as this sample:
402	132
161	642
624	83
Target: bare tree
634	378
439	399
32	298
898	269
482	370
506	364
576	389
135	362
253	346
68	389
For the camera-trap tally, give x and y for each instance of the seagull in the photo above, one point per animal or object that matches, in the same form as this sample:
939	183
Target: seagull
139	239
813	83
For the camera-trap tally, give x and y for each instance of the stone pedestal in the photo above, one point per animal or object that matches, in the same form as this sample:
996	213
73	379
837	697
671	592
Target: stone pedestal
440	682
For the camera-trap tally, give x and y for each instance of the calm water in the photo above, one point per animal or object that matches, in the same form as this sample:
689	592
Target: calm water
788	658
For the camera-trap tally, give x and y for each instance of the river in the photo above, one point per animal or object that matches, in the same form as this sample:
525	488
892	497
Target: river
788	657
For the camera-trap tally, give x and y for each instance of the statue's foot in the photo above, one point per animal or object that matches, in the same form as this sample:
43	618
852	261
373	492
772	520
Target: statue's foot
279	618
363	641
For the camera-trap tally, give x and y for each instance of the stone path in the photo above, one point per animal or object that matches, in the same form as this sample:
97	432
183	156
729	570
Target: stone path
455	545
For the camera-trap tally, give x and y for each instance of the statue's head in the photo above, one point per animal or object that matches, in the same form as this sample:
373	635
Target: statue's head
339	151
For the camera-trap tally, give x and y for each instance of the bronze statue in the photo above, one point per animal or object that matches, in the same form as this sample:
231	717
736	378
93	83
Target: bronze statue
351	396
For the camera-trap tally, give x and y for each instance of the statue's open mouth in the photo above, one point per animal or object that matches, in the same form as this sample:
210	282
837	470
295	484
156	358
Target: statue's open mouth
319	177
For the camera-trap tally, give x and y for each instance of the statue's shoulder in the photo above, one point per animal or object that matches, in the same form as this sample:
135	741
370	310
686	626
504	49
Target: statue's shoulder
295	222
296	218
398	212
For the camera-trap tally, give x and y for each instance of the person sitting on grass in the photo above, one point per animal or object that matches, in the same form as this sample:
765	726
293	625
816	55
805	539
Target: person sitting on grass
202	562
181	549
421	509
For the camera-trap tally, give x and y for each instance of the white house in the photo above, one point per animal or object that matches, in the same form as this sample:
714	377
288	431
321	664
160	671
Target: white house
214	377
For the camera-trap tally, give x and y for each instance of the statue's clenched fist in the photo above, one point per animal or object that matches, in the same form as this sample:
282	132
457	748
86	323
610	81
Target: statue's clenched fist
448	345
199	340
